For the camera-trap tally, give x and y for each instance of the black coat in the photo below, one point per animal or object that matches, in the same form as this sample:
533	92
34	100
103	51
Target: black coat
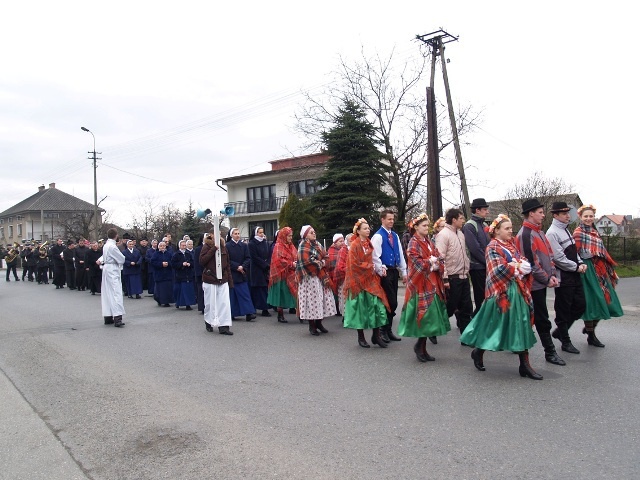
182	273
260	262
239	255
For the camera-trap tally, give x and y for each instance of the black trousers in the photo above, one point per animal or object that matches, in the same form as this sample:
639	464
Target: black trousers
390	287
478	281
569	305
41	277
12	268
540	312
459	301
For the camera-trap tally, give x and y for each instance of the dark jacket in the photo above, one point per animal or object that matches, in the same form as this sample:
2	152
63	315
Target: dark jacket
476	239
260	263
55	252
69	258
160	273
183	273
92	258
239	255
81	255
129	257
208	262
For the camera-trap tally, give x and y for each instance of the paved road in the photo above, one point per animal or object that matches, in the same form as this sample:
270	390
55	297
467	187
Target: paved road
162	398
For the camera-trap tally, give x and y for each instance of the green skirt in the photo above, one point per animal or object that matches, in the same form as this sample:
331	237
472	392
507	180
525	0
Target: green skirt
435	321
280	296
597	308
494	330
364	311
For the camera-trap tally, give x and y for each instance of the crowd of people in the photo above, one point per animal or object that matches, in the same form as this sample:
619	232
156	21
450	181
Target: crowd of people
442	264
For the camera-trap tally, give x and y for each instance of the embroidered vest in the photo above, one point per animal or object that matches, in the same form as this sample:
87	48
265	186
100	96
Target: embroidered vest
390	255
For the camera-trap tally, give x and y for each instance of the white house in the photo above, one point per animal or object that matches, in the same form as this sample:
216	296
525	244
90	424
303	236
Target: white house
610	225
258	197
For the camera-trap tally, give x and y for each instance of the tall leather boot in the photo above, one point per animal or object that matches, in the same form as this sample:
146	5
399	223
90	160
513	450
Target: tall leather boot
376	338
320	327
590	330
361	340
525	367
390	333
281	318
312	328
562	334
420	349
117	321
383	334
550	354
477	354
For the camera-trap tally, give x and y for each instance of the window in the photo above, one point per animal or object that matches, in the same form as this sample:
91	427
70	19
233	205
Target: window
10	219
269	226
51	215
19	217
19	229
261	199
302	188
1	232
1	221
10	231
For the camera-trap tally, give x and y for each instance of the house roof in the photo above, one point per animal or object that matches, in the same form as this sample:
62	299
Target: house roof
285	165
49	199
617	219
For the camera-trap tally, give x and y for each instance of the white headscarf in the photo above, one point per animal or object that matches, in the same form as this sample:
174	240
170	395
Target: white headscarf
337	236
255	233
304	230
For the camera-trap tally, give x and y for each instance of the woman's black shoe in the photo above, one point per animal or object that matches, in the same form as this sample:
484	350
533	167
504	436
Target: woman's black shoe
281	318
208	327
433	340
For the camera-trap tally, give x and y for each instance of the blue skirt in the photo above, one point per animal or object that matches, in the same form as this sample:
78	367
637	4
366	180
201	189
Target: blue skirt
133	284
163	292
184	293
240	297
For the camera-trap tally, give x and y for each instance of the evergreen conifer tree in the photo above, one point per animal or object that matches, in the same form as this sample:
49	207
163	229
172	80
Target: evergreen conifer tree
352	185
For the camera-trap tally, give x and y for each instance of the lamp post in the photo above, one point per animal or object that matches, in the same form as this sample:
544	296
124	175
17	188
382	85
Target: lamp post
95	184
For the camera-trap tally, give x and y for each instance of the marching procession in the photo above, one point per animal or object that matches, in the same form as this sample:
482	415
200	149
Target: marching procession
494	281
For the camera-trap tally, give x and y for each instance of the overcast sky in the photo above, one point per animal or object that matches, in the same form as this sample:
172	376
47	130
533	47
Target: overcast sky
179	94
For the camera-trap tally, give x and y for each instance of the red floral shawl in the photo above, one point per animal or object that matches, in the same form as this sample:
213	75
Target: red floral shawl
360	275
421	280
588	239
282	259
311	261
500	274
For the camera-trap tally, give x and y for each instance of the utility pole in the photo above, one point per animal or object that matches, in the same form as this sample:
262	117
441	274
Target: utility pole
95	182
436	40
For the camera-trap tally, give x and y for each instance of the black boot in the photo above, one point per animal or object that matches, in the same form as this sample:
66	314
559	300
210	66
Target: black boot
361	340
250	317
420	349
265	313
592	339
562	333
108	320
224	331
376	338
390	333
550	354
312	328
433	340
117	321
320	327
525	367
281	318
208	327
383	335
477	355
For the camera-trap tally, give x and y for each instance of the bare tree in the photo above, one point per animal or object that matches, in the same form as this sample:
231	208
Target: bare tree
545	189
392	93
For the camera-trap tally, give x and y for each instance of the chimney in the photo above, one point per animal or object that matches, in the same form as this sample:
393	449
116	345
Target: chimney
52	185
41	188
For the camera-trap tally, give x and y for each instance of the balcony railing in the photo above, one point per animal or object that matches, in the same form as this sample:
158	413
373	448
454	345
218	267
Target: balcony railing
273	204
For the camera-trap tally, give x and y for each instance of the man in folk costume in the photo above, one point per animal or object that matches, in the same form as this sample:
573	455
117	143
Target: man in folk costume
534	245
217	307
389	262
477	238
451	245
283	289
240	261
570	301
111	297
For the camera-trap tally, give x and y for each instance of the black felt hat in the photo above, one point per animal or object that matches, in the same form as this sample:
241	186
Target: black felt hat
558	207
479	203
531	204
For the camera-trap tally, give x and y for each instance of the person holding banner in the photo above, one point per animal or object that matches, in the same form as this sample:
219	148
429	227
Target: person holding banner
216	281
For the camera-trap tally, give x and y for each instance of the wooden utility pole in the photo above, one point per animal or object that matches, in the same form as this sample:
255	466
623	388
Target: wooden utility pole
436	40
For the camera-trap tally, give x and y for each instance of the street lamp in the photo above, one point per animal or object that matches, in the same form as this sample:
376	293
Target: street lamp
95	184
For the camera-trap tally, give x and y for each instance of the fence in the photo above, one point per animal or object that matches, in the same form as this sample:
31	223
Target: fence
624	250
